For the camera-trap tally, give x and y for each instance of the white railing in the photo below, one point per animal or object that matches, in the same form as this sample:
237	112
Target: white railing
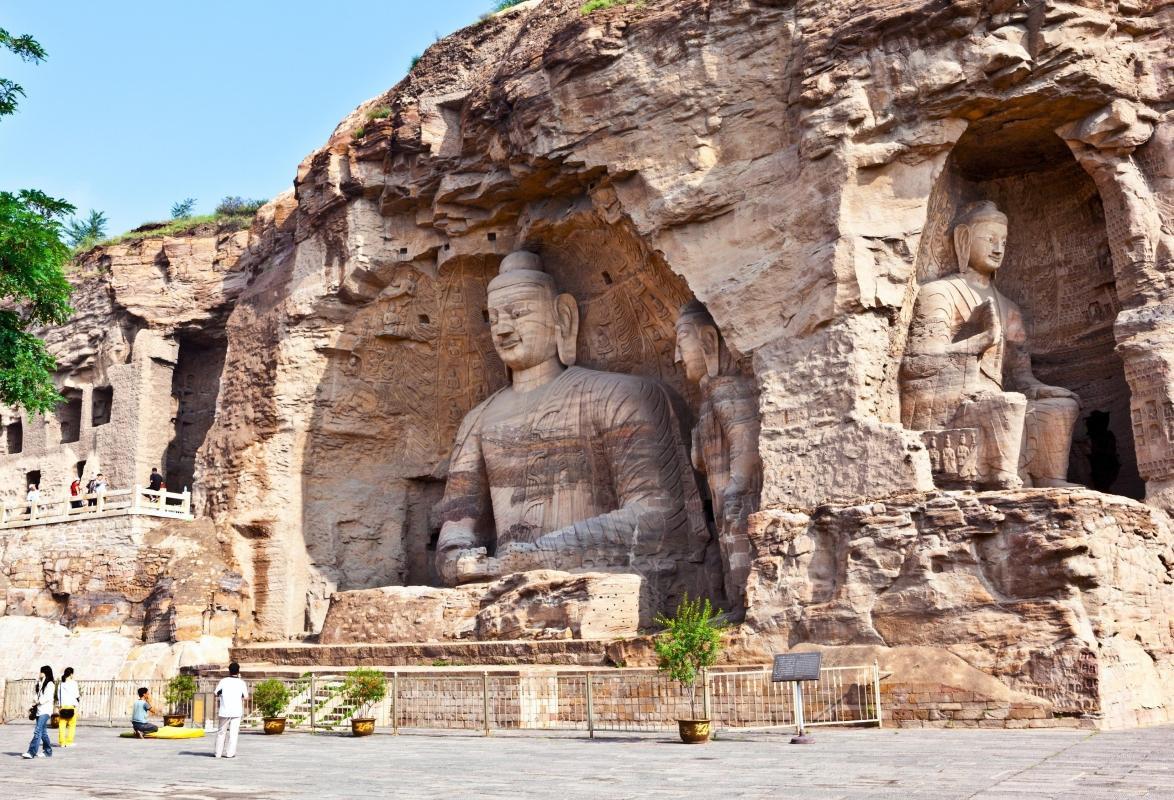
110	503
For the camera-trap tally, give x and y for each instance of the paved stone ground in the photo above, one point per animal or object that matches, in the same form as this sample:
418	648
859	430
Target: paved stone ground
907	764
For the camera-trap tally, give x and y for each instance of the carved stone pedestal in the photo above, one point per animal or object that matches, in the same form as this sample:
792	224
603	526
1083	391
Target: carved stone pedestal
543	604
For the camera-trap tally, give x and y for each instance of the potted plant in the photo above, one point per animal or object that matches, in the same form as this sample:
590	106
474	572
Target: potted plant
178	696
362	689
271	697
688	647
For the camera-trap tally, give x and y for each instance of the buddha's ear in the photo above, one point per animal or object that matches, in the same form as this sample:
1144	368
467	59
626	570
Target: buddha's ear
962	246
568	328
711	348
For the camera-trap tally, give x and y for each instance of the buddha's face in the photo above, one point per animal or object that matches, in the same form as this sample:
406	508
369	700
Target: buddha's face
988	241
523	321
690	353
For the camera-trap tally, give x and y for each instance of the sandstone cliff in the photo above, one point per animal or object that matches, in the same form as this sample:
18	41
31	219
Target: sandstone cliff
796	167
792	166
139	365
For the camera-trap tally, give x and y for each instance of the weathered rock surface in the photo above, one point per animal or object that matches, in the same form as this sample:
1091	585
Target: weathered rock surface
139	365
798	174
797	167
1067	596
542	604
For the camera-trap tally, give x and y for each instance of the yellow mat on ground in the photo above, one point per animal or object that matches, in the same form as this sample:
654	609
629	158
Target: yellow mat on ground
168	733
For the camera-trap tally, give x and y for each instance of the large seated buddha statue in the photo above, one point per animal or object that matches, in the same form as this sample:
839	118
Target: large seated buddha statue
967	365
568	468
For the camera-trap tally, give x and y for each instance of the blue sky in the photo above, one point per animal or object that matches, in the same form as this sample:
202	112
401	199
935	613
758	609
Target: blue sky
141	104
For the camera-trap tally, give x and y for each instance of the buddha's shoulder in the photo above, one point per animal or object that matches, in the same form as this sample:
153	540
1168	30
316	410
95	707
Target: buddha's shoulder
947	289
947	283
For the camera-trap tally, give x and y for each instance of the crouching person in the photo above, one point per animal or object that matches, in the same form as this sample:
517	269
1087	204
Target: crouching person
142	709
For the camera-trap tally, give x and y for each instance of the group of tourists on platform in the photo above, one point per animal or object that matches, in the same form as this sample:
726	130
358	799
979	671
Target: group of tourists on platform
96	487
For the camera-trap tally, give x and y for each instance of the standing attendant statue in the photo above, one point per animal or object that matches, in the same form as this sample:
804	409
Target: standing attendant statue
725	440
966	366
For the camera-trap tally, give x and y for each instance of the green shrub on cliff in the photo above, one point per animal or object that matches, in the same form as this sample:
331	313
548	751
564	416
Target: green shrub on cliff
599	5
86	232
233	206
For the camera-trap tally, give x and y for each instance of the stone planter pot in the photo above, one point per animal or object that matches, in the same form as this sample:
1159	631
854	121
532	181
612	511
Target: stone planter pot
362	726
174	720
274	726
694	731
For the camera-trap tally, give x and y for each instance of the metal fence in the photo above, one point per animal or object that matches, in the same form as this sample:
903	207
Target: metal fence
589	701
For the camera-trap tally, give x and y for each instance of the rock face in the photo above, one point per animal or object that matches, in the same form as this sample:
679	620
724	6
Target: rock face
1062	595
799	174
799	170
139	366
530	605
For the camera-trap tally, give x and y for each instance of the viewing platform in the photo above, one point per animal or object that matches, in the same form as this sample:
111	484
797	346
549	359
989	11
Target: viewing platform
112	503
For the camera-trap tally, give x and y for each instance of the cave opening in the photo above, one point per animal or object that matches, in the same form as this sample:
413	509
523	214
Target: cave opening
1059	269
195	386
69	414
102	404
14	437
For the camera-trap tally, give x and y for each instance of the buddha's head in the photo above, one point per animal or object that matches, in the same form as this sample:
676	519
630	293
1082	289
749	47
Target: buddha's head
531	323
699	345
980	238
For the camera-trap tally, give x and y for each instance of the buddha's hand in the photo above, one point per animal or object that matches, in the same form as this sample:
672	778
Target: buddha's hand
1042	392
992	332
472	565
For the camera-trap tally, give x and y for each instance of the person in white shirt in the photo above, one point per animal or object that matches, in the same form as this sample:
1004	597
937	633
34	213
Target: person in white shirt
231	693
44	692
68	699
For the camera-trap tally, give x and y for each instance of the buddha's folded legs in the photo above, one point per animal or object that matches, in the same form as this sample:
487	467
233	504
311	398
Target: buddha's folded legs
999	418
1047	436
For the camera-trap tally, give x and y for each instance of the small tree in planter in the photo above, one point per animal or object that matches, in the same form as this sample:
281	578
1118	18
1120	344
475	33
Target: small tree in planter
271	697
178	696
362	689
688	647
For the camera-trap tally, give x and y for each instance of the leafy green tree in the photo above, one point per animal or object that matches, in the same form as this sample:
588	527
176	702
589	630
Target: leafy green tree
87	232
690	645
33	288
183	209
29	50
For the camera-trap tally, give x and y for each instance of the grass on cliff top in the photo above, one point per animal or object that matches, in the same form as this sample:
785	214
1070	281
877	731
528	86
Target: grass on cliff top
176	227
599	5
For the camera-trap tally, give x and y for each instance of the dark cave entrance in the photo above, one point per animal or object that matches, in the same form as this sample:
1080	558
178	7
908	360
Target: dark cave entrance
195	386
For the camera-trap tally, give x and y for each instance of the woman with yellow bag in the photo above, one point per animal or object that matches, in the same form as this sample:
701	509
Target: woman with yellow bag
68	699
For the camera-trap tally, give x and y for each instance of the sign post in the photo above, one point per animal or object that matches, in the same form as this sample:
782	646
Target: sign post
795	668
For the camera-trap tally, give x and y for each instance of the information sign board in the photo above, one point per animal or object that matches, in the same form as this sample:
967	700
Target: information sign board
796	667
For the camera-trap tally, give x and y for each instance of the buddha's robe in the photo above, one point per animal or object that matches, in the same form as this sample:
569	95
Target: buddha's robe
959	390
590	470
